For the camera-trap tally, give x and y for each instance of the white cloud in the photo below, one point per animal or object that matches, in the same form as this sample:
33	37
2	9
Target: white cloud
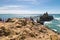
27	11
12	7
19	9
19	12
16	9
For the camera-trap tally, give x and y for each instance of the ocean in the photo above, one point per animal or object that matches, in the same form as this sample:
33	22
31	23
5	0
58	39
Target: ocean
53	25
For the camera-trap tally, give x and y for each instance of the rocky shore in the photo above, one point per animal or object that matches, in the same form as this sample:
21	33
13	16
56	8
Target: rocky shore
25	29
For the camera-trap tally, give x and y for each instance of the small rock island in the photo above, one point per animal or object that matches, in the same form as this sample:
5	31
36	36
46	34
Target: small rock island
45	17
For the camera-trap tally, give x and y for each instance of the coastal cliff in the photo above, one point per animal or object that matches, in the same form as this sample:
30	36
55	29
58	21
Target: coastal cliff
25	29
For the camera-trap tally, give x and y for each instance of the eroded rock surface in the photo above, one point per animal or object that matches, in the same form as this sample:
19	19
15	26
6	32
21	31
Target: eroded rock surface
25	29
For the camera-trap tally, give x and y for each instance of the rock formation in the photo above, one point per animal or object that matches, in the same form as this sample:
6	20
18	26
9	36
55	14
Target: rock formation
45	17
25	29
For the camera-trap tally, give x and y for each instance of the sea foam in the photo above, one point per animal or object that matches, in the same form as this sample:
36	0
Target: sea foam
47	22
58	25
57	18
54	29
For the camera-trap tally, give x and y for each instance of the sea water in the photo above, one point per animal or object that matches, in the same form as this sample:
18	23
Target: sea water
54	24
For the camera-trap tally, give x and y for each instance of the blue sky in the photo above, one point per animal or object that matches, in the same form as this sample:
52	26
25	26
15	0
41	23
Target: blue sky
29	6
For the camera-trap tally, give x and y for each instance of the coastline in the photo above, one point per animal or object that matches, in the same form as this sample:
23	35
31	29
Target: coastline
26	28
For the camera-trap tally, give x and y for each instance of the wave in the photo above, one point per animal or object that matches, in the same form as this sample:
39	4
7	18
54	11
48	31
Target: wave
47	22
58	25
57	18
54	29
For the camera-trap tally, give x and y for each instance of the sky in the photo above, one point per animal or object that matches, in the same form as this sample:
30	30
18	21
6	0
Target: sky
29	6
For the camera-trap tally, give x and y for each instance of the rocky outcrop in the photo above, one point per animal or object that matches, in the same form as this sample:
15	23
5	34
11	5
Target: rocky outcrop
25	29
45	17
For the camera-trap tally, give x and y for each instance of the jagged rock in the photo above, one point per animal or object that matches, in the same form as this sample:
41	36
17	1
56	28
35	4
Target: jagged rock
9	20
22	38
32	35
4	32
22	22
43	31
45	17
